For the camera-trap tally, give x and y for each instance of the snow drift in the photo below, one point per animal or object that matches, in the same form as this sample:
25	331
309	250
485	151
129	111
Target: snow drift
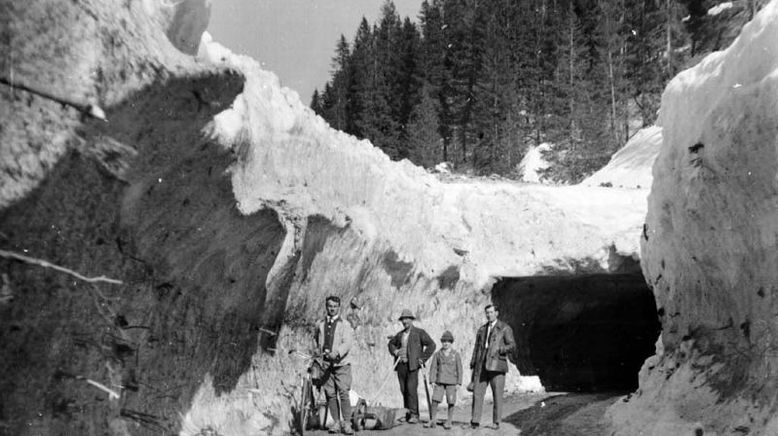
630	167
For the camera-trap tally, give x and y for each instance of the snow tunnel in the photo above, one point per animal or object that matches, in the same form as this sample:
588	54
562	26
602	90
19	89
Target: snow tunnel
578	333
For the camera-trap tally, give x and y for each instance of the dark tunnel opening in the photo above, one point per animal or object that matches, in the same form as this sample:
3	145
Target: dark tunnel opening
580	333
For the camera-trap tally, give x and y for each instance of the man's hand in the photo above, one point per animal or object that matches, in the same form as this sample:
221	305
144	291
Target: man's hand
421	362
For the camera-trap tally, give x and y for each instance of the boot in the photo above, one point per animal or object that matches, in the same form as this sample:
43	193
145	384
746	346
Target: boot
346	428
450	417
335	428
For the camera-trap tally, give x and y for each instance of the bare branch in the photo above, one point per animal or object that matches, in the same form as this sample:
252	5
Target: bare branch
46	264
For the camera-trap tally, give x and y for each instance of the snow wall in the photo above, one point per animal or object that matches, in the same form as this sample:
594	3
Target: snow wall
711	248
229	211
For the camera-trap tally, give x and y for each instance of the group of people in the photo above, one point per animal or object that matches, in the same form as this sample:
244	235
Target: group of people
412	348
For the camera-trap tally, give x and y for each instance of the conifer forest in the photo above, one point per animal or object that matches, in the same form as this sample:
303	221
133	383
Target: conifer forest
476	82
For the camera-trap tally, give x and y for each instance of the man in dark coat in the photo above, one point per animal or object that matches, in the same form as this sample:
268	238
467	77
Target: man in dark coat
493	343
411	347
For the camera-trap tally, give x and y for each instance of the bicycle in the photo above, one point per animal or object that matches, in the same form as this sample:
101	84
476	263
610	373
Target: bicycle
307	413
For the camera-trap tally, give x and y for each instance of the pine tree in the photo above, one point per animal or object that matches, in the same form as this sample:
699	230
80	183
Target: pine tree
501	74
424	140
436	72
382	108
494	94
363	66
341	84
316	103
643	57
409	84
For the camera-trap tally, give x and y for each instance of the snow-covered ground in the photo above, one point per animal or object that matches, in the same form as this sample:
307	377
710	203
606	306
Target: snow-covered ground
631	166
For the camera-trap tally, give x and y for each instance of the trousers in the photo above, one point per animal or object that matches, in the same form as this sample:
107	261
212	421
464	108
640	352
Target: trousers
409	387
337	385
495	380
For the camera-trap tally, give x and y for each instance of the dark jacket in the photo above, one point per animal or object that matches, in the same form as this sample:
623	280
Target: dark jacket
500	346
420	346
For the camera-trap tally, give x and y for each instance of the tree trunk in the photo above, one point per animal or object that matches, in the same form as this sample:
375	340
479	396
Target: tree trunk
571	96
669	36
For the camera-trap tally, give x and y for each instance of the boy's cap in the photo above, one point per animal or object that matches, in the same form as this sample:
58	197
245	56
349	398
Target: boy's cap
447	337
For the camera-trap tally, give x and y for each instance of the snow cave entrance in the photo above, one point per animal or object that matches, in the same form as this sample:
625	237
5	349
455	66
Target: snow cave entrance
580	333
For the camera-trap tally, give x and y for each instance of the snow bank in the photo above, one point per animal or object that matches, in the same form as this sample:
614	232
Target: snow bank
631	166
533	162
183	21
292	161
711	247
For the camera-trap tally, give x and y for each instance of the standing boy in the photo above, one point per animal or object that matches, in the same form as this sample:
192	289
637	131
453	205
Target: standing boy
446	375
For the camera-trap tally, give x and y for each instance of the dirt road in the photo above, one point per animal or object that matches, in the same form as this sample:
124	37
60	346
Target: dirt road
550	414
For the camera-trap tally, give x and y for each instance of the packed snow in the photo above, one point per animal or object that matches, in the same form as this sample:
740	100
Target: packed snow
631	166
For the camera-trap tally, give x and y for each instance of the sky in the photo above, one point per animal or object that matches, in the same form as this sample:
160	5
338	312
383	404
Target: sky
295	38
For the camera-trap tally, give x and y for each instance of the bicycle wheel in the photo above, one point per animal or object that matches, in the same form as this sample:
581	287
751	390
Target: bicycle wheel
304	408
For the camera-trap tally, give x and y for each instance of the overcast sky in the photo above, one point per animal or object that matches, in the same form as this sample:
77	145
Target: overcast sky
294	38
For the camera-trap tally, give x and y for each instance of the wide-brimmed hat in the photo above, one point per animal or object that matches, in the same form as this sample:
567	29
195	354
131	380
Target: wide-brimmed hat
447	337
406	313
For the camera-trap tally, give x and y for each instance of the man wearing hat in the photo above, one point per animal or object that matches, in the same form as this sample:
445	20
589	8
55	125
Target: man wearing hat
411	347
